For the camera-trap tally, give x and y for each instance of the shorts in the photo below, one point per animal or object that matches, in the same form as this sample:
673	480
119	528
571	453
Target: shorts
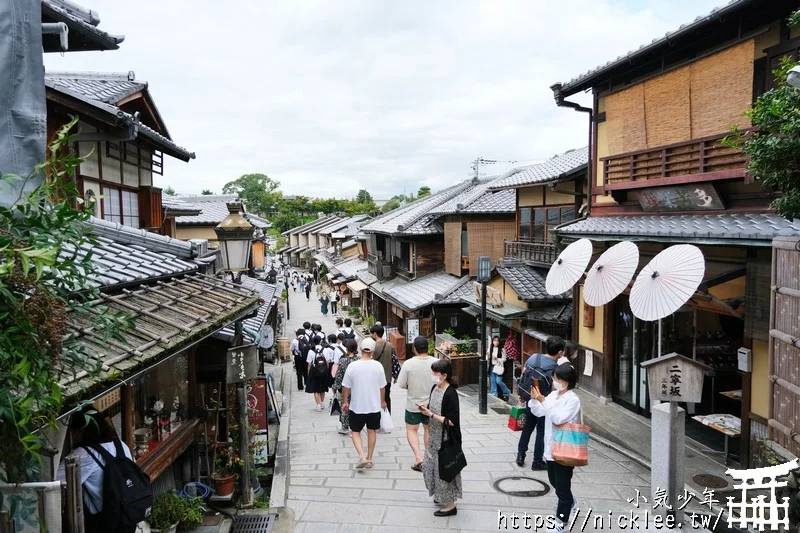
414	419
358	420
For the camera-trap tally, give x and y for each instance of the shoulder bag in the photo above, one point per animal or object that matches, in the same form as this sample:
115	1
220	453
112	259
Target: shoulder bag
571	443
451	457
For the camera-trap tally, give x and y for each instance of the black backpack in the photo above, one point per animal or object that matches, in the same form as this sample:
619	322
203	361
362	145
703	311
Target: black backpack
348	334
127	496
536	372
320	368
303	345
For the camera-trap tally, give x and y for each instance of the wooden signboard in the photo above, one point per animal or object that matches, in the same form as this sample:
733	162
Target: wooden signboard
494	298
242	363
588	316
694	197
675	378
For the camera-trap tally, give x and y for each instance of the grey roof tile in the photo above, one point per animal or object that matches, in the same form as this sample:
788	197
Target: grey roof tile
545	172
143	238
302	228
528	282
257	221
82	23
580	82
477	198
734	227
175	207
560	313
267	293
366	277
457	293
422	291
415	218
109	88
350	267
213	209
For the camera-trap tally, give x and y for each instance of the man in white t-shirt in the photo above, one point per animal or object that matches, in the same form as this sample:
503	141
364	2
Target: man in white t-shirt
415	376
366	381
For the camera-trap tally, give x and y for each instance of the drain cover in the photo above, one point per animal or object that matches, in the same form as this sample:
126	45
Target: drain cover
710	482
521	486
245	523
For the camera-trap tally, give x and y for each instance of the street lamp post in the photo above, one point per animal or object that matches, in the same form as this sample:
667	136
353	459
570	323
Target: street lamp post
484	275
235	236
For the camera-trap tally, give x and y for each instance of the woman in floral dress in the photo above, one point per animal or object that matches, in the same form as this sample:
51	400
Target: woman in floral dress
352	355
443	406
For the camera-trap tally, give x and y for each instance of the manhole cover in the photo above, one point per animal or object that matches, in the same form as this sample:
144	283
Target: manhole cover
246	523
710	482
521	486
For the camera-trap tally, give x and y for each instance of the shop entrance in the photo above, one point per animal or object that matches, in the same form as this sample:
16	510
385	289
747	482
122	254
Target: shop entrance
635	341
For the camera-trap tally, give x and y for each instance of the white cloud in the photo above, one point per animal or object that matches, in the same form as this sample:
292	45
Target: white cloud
331	97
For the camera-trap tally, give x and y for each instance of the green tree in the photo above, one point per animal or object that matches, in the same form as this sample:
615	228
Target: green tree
169	191
259	192
364	197
285	221
393	203
207	192
44	285
423	191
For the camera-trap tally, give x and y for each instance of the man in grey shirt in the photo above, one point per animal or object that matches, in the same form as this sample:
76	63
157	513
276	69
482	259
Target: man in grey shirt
416	377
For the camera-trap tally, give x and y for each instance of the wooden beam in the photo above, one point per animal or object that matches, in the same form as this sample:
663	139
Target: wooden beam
791	387
128	417
793	435
786	291
677	180
784	337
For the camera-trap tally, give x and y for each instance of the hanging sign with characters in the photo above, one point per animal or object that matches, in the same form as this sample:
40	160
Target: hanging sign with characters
696	197
675	378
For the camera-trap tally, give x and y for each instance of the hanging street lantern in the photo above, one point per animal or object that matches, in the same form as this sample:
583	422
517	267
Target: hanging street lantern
235	236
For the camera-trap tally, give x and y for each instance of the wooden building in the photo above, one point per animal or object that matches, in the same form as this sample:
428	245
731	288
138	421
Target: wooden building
660	175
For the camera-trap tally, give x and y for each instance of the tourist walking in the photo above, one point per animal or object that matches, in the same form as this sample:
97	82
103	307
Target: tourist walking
561	406
302	284
539	367
347	330
384	354
364	396
299	348
334	300
497	358
415	376
324	301
318	372
442	407
332	354
308	291
344	361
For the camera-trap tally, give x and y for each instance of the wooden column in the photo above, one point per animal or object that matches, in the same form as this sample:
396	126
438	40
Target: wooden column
128	418
192	376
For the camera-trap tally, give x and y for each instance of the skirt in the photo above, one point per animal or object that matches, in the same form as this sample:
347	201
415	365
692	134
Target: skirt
317	384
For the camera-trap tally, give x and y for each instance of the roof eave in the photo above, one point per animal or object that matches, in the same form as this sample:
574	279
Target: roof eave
564	177
101	40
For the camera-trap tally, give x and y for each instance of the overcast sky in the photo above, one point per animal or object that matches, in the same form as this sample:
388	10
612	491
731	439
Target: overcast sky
333	96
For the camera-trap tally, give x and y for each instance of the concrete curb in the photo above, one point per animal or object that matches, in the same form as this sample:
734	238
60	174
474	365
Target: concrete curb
280	475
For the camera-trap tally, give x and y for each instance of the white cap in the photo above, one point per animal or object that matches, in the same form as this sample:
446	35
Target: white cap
368	345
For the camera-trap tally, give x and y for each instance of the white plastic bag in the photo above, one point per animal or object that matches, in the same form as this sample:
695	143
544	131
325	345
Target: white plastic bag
386	422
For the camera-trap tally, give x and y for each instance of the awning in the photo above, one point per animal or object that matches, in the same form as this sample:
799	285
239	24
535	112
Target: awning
167	318
284	250
356	285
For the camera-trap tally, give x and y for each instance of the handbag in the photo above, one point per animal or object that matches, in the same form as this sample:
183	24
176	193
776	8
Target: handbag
571	443
451	456
336	409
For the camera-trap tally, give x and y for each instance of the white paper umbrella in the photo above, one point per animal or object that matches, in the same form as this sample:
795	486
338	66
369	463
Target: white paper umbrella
611	273
569	267
667	282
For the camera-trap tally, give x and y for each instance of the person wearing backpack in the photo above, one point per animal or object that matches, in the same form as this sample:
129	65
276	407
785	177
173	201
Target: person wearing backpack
538	368
347	330
334	300
299	348
116	492
318	372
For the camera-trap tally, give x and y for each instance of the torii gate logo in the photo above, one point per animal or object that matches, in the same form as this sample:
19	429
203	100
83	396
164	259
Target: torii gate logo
760	512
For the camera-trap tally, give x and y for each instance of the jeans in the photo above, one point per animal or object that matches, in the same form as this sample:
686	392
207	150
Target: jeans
301	369
497	381
532	422
560	478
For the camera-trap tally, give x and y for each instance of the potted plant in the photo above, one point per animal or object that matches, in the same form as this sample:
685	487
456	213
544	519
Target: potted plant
227	467
191	513
167	513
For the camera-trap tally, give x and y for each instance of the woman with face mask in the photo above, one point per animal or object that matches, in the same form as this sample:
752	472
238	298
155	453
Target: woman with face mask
443	406
497	358
562	405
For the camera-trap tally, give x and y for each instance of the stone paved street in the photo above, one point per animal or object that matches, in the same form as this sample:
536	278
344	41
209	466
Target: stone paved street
327	494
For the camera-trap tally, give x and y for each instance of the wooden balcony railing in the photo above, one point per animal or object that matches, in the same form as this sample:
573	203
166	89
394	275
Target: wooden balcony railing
703	159
539	253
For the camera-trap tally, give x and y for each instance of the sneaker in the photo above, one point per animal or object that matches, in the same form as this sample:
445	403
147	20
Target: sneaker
539	465
574	509
520	460
343	431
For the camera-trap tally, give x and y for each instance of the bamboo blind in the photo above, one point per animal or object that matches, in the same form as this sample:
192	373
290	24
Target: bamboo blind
716	106
667	110
757	298
500	232
452	248
480	243
625	121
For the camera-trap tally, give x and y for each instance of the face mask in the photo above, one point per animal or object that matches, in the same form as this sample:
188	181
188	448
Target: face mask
558	385
436	379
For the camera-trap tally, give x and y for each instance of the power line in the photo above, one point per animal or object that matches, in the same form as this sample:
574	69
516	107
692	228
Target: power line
476	164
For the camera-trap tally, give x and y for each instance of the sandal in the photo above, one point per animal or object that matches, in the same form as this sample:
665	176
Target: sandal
362	463
417	467
369	464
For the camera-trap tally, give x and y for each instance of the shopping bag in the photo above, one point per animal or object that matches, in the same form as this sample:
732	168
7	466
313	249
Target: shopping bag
336	408
571	444
451	456
386	422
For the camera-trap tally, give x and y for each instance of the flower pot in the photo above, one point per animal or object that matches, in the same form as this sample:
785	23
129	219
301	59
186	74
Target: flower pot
223	486
171	529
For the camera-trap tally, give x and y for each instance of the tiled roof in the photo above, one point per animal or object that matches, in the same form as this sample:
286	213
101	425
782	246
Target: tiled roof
478	199
560	313
177	208
584	81
267	293
758	229
213	209
167	317
152	241
548	171
366	277
350	267
82	24
302	228
422	291
257	221
75	86
320	224
109	88
528	282
323	258
415	218
457	293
